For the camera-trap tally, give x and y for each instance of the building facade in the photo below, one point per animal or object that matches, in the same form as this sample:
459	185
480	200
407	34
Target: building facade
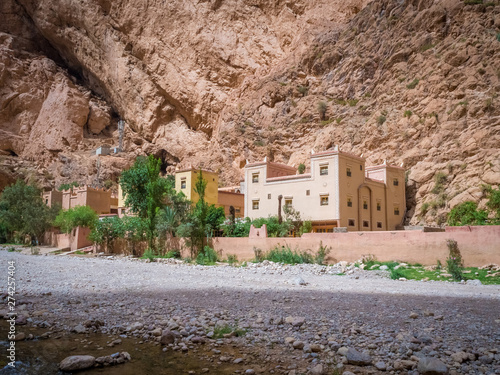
99	200
185	181
338	192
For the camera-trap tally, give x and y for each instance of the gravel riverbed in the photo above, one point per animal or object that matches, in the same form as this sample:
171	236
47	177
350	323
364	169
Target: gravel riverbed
286	319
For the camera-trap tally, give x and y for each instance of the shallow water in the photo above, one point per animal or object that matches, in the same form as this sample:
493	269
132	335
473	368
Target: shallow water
42	356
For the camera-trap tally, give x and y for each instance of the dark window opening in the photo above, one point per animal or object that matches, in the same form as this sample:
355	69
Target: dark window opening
379	224
268	196
365	205
366	224
351	222
379	207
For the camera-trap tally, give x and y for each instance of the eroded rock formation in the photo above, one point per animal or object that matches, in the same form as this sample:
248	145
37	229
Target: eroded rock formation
215	83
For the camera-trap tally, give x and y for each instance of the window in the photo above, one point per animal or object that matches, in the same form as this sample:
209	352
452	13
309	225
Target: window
308	192
183	183
237	210
288	202
324	200
366	224
365	205
255	205
379	206
349	202
395	182
348	172
360	167
351	222
379	224
323	170
268	196
255	178
47	201
396	210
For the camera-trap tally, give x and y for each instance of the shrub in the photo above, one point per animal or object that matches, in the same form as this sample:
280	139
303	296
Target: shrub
322	253
149	254
424	208
413	84
207	256
352	102
232	259
302	168
381	119
454	262
259	254
306	227
396	274
79	216
439	180
322	107
467	214
282	254
174	253
303	90
408	113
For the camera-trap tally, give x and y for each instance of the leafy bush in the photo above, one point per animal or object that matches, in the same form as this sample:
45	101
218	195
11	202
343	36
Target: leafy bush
79	216
467	214
149	254
232	259
240	227
408	113
322	253
107	230
306	227
301	168
259	254
282	254
396	274
24	213
454	262
207	256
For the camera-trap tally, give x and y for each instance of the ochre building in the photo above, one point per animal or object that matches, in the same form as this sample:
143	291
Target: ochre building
185	181
339	191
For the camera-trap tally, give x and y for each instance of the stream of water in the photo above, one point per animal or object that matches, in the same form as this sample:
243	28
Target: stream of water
42	356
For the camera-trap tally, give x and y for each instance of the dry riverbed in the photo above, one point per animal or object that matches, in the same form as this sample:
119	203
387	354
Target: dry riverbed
264	318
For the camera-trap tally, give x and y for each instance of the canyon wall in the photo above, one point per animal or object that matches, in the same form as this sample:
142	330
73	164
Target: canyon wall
216	83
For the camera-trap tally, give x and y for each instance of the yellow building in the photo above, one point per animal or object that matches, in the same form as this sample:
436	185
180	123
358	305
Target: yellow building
185	181
338	192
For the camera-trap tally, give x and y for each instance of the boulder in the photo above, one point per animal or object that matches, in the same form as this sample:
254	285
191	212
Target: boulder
357	358
77	362
431	366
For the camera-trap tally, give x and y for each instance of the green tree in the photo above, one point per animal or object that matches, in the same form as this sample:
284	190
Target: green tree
302	168
107	230
467	214
134	231
22	210
195	229
215	217
145	192
79	216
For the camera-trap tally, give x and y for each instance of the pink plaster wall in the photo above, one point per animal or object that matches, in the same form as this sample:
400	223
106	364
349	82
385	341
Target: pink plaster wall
479	245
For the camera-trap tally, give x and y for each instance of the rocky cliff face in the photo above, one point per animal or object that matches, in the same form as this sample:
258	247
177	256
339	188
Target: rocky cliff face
218	82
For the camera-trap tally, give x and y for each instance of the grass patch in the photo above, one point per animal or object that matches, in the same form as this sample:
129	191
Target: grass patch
326	122
419	272
228	329
207	257
381	119
282	254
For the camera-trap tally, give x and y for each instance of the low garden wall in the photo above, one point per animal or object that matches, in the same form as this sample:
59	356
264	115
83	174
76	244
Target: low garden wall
479	245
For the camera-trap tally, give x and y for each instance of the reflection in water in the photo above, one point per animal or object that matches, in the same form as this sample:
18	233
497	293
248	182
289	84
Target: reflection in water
42	356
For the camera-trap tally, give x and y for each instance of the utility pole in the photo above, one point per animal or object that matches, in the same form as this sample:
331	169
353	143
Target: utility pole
280	219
